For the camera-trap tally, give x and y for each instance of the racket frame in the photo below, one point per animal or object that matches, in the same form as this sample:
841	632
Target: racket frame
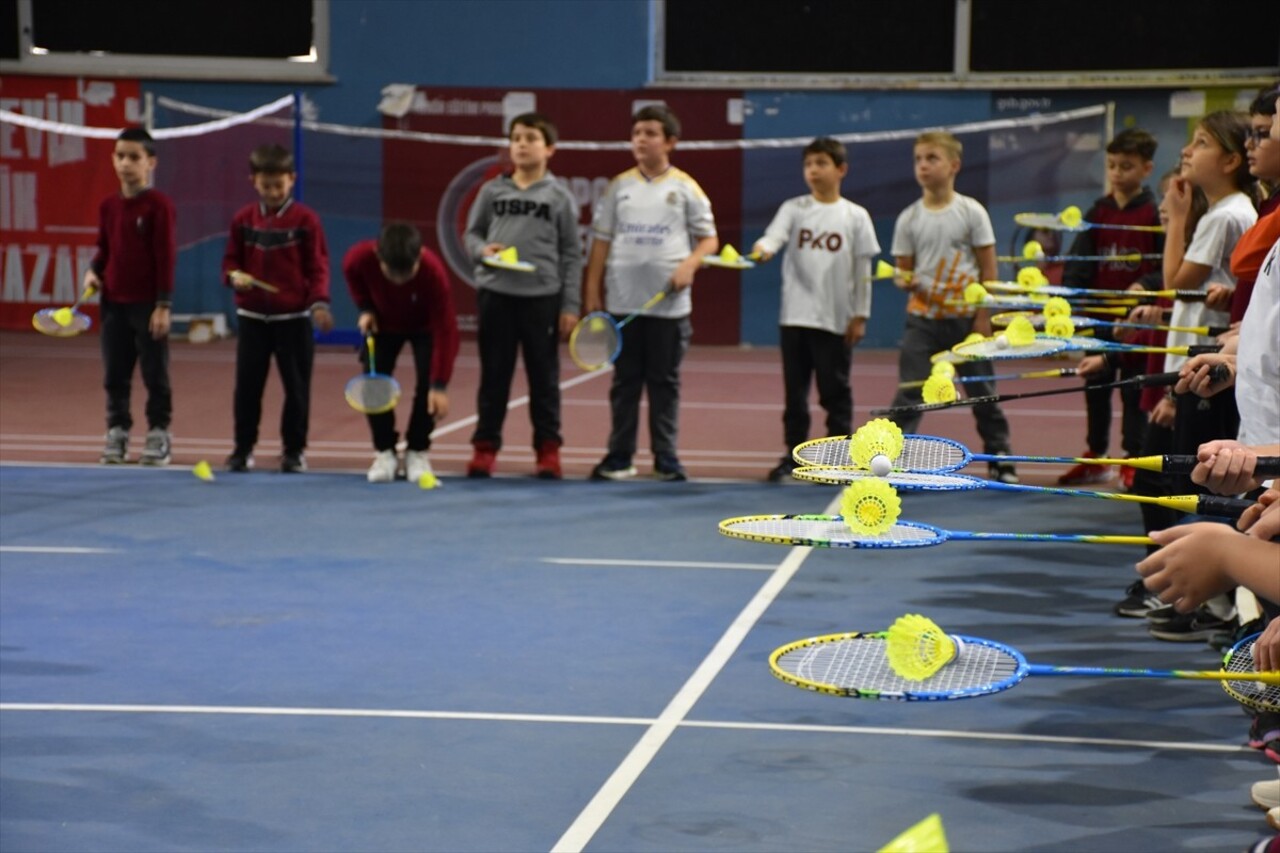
354	400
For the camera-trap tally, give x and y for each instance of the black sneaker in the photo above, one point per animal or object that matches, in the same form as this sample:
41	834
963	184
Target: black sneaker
1162	615
239	461
613	468
669	469
293	463
1194	627
782	471
1003	472
1138	602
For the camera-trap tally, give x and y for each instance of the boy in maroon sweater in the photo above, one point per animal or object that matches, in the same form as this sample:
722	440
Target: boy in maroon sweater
133	270
1128	202
403	295
278	242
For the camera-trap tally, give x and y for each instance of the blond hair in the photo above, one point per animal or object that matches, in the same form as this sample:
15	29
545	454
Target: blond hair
946	141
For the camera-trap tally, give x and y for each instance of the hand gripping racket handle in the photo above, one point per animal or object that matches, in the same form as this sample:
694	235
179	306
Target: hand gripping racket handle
1222	507
1264	466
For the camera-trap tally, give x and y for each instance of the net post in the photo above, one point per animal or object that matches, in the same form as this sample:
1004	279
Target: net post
297	144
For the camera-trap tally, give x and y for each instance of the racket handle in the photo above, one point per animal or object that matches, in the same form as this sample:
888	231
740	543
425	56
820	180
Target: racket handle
1264	466
1152	380
1203	349
1223	507
1190	295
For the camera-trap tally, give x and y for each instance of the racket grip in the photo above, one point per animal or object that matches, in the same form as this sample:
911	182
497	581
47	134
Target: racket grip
1203	349
1263	466
1152	380
1190	295
1219	373
1223	507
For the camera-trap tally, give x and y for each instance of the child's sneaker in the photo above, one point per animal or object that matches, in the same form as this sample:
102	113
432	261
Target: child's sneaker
613	468
1003	472
157	450
669	469
293	462
383	469
483	459
239	461
117	446
782	471
1265	727
548	464
1127	473
1138	602
1266	794
1273	818
416	465
1085	475
1197	626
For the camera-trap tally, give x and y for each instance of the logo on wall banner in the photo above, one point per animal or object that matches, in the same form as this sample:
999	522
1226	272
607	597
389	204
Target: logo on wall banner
451	215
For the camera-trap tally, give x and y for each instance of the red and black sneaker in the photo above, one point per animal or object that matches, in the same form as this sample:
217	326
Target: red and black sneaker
483	459
548	462
1085	475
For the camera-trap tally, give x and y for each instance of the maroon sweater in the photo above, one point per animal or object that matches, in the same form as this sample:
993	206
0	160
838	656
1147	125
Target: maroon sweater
1116	275
137	249
424	303
285	248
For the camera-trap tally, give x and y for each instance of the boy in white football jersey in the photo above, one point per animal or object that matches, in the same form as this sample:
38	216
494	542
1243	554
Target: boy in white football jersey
826	294
651	230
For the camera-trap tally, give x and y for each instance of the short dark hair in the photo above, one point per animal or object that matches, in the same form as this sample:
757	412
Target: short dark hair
399	246
139	135
538	122
826	145
271	160
1265	103
659	113
1134	141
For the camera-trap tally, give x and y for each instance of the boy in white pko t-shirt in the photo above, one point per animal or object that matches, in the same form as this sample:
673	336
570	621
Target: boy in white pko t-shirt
651	230
826	294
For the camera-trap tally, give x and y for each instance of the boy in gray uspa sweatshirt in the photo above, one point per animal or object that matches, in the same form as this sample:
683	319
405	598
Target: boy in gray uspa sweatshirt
528	311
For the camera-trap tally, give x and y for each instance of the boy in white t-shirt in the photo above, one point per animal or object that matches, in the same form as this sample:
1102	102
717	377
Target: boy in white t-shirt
651	230
826	294
945	241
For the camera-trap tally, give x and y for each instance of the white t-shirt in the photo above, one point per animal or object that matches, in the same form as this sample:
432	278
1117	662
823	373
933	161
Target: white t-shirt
650	225
942	243
1216	236
826	274
1258	358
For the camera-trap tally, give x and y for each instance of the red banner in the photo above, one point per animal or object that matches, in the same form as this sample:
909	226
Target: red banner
433	185
51	186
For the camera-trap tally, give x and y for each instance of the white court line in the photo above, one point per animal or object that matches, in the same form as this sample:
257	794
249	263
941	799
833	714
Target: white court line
575	719
53	549
520	401
589	821
660	564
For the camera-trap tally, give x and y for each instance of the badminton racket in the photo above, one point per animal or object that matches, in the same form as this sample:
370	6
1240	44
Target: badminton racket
1071	219
928	454
857	665
507	259
1015	289
1000	348
64	322
597	338
833	531
730	259
255	282
1055	259
1055	373
1145	380
371	392
1040	321
908	481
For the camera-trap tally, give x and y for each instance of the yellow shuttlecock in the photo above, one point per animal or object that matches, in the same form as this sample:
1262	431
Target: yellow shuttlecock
944	369
1059	327
63	317
975	294
596	324
870	506
884	269
729	254
1032	277
1020	332
938	389
917	648
202	471
428	481
1056	306
1071	216
1033	251
927	836
508	255
878	437
973	338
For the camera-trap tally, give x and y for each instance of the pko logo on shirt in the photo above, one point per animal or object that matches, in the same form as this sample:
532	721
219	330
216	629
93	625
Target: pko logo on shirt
823	240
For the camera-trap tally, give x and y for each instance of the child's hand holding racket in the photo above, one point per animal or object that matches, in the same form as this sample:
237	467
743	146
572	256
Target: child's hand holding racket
1226	467
759	252
1266	649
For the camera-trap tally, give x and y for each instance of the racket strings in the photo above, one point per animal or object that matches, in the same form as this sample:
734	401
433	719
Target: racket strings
1254	694
862	665
901	480
921	454
830	531
595	342
373	394
46	321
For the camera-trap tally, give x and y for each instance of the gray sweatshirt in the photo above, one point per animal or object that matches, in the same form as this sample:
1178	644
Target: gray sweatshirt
542	223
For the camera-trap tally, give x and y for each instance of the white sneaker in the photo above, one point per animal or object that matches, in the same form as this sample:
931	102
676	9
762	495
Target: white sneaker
416	464
1266	794
383	469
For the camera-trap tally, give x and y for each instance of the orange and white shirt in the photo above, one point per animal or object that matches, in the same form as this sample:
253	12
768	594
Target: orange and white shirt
942	244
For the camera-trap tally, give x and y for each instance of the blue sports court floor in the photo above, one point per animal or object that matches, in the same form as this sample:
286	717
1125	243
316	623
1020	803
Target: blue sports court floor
284	663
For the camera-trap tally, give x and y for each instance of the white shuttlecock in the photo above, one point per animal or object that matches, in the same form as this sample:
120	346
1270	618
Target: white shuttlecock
1002	341
881	465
